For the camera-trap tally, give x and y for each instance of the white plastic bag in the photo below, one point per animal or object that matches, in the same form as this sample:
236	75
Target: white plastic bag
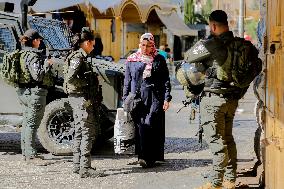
124	132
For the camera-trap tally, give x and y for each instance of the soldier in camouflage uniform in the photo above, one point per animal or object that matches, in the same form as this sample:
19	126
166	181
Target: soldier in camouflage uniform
218	104
35	78
82	85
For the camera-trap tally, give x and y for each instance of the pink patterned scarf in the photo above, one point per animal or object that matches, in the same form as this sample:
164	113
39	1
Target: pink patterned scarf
146	59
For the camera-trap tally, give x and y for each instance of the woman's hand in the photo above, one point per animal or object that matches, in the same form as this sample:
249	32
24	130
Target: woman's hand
166	105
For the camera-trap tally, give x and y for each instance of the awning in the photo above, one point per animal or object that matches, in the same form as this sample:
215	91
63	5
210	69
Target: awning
51	5
175	24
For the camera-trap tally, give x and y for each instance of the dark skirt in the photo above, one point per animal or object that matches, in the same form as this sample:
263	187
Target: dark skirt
150	127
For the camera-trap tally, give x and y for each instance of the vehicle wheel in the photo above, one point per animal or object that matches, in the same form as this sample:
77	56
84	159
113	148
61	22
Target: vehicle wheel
56	131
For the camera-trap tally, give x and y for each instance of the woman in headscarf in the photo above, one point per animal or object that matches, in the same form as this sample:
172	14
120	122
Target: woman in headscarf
147	76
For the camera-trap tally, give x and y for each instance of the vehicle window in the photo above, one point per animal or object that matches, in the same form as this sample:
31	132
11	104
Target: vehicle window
7	40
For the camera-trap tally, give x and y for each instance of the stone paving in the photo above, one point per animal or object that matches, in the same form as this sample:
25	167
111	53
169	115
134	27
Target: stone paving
185	167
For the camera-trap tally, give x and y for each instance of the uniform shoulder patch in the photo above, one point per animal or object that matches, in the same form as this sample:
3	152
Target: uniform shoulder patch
75	62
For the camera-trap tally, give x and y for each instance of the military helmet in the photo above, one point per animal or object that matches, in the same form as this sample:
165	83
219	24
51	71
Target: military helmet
189	74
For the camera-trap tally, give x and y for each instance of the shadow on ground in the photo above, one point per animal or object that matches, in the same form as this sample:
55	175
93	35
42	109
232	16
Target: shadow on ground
244	122
11	142
172	145
168	165
179	145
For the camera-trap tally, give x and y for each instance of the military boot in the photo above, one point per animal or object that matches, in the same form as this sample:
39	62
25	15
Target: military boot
91	172
228	184
146	164
23	158
35	157
37	160
142	163
209	186
76	168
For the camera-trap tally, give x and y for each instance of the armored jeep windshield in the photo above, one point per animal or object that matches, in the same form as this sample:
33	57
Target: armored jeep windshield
56	34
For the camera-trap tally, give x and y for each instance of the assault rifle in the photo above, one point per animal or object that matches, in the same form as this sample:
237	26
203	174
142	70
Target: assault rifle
200	128
195	106
185	104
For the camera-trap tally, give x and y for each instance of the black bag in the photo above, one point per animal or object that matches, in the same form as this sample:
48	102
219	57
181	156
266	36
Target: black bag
132	103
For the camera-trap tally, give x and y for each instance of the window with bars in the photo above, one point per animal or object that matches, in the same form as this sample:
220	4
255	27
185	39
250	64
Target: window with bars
7	40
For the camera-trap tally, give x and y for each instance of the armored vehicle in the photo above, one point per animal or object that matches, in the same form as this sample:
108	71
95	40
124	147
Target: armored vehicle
57	130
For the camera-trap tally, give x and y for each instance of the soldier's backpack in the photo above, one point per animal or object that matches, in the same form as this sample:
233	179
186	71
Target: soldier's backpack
11	68
242	64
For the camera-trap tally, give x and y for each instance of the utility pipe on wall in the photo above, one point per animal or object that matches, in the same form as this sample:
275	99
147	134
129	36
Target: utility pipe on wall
241	18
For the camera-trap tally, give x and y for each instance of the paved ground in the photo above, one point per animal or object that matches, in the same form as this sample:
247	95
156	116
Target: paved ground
184	167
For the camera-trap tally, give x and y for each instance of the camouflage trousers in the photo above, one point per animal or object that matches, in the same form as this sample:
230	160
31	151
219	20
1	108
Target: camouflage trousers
217	116
33	101
85	123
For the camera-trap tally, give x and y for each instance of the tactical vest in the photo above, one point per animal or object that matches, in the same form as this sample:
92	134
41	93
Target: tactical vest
85	74
210	53
213	53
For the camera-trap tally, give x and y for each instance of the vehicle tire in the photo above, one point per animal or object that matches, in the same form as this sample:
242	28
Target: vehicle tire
56	131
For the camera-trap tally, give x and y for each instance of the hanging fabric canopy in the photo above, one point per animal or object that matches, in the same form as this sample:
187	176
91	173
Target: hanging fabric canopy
51	5
175	24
